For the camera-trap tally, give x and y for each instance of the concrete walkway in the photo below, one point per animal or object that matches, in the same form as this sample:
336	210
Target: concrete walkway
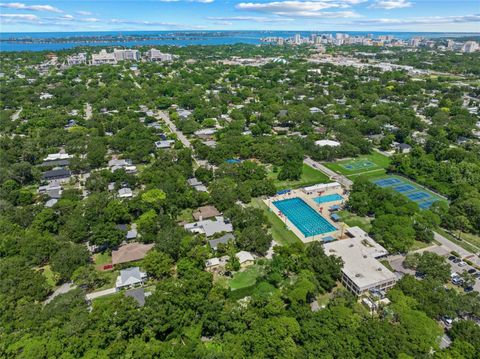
102	293
344	181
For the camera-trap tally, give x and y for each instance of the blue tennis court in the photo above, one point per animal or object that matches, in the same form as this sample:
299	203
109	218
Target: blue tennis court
418	196
403	188
426	204
387	182
328	198
304	217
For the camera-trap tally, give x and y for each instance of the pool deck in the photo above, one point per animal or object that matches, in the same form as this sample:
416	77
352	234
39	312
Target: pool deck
321	209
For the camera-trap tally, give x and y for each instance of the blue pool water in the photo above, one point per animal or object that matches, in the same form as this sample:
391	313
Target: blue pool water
328	198
304	217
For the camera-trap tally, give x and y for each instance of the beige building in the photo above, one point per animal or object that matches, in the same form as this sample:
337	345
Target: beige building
362	270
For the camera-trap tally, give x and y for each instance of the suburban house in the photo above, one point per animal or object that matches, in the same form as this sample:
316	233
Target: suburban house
402	147
197	185
164	144
130	252
245	258
214	264
205	133
116	164
362	270
222	240
59	174
125	193
209	227
325	143
138	294
205	212
130	277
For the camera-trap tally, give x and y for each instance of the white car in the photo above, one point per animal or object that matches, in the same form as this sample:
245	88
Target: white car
462	264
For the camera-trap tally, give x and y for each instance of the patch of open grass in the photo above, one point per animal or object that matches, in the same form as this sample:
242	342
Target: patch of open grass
380	161
103	258
49	275
185	215
310	176
279	231
245	278
465	244
353	220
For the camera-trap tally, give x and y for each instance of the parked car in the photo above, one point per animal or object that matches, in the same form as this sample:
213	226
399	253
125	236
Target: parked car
476	275
462	264
468	289
472	271
451	258
457	260
457	281
447	320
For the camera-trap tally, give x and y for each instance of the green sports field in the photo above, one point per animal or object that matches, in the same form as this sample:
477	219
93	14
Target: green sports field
374	163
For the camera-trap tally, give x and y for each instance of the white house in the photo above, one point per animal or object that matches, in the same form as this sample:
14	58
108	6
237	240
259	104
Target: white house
125	193
209	227
130	277
324	143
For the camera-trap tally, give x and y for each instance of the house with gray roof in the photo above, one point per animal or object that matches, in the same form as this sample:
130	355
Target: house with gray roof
209	227
130	277
222	240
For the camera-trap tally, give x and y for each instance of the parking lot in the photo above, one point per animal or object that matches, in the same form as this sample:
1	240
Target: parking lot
397	260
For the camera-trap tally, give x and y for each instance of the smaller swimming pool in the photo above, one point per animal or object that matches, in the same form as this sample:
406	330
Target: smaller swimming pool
328	198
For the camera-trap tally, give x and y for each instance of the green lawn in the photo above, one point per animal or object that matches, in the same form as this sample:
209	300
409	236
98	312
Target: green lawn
50	276
310	176
465	243
103	258
279	232
246	278
185	215
380	161
353	220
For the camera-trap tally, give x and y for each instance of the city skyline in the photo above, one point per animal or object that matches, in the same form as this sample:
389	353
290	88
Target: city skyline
294	15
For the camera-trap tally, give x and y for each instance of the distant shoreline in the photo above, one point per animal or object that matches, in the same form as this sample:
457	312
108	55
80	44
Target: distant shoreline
54	41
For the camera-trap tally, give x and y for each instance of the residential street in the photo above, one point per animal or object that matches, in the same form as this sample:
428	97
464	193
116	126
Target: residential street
162	115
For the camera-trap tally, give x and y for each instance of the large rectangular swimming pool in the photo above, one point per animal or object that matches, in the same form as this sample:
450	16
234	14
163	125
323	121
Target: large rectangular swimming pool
304	217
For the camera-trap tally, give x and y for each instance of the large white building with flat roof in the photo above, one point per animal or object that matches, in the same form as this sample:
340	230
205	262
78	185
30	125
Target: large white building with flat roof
362	270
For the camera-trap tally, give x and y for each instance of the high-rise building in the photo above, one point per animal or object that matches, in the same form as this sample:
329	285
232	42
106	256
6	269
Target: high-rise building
297	39
470	46
126	54
103	57
157	55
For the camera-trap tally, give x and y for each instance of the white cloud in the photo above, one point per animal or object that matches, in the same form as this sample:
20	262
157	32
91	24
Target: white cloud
84	13
22	6
250	19
433	20
20	17
308	9
391	4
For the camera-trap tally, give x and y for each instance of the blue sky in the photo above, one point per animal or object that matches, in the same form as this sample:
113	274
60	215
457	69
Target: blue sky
314	15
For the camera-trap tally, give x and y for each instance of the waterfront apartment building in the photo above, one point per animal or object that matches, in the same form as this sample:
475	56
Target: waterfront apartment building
470	46
78	59
103	57
126	54
157	55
